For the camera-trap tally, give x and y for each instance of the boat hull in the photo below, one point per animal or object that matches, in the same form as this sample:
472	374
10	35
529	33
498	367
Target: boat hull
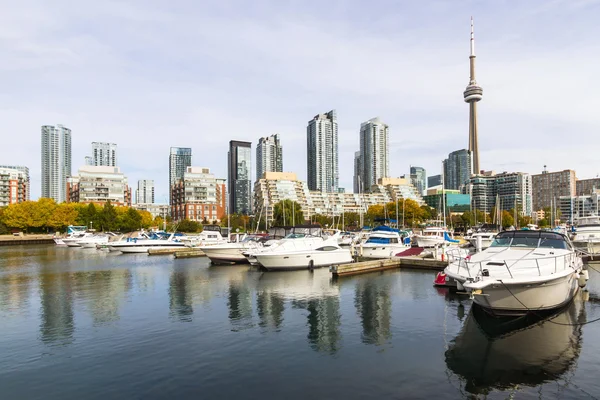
225	255
381	251
520	298
588	246
424	241
72	244
59	242
143	248
303	260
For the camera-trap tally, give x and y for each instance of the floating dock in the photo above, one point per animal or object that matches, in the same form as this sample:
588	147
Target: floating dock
385	264
191	253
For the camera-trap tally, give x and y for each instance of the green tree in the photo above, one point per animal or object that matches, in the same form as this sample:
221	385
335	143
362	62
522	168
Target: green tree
108	217
188	226
507	219
131	220
287	212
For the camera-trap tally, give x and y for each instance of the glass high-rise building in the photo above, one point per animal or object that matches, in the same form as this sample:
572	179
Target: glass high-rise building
357	173
434	180
56	161
269	155
322	152
374	152
418	178
179	159
145	192
457	169
104	154
239	185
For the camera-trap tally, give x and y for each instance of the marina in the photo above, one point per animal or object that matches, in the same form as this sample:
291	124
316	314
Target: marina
79	323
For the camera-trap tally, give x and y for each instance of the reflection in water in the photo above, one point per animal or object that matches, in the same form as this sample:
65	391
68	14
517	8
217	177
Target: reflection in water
324	320
374	306
103	292
506	353
180	301
270	308
453	297
239	301
15	292
56	308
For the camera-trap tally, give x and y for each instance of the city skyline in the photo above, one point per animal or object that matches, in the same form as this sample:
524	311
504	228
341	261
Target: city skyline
147	106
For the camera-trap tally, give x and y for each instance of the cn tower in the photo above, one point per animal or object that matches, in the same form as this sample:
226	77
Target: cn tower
473	93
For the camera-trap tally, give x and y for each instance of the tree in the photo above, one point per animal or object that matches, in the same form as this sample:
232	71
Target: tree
108	217
146	219
65	214
131	220
185	225
507	219
288	213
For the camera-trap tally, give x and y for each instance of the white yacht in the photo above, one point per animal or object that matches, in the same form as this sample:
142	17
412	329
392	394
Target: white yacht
587	234
72	232
433	236
95	240
303	252
232	252
204	238
76	238
521	271
383	242
142	245
486	239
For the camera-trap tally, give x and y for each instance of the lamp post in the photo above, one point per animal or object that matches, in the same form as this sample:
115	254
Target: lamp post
403	202
91	225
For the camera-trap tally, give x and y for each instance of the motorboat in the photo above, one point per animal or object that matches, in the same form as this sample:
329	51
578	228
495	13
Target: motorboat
491	354
304	253
485	234
72	232
95	240
204	238
383	242
152	241
522	271
433	236
231	252
76	238
587	234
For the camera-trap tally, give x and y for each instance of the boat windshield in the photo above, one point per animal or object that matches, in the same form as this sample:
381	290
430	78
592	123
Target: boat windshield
531	239
295	236
382	240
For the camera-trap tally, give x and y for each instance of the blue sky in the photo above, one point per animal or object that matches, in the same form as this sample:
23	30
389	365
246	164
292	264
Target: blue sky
148	75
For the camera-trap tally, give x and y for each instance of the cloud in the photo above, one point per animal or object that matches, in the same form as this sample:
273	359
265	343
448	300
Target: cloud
148	75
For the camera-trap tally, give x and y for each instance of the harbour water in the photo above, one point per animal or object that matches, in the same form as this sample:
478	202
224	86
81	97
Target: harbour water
78	323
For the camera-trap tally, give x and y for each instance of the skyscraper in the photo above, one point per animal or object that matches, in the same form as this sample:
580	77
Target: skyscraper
357	172
239	168
179	159
145	192
457	169
434	180
473	93
322	152
418	178
56	161
104	154
549	186
374	152
269	155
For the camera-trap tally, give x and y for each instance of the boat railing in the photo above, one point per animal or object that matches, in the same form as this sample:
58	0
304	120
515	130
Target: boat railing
478	266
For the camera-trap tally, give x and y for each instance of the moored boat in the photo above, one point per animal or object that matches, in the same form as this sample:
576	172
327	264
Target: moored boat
521	272
433	236
383	242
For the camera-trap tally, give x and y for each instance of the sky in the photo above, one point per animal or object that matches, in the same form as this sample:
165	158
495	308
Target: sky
150	74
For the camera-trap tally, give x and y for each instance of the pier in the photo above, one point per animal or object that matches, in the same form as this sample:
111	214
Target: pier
19	239
365	267
178	253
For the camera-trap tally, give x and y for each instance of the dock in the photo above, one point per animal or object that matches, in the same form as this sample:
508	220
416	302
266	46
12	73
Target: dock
191	253
365	267
20	239
187	252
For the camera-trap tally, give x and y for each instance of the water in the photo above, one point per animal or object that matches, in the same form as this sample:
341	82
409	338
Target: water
78	323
